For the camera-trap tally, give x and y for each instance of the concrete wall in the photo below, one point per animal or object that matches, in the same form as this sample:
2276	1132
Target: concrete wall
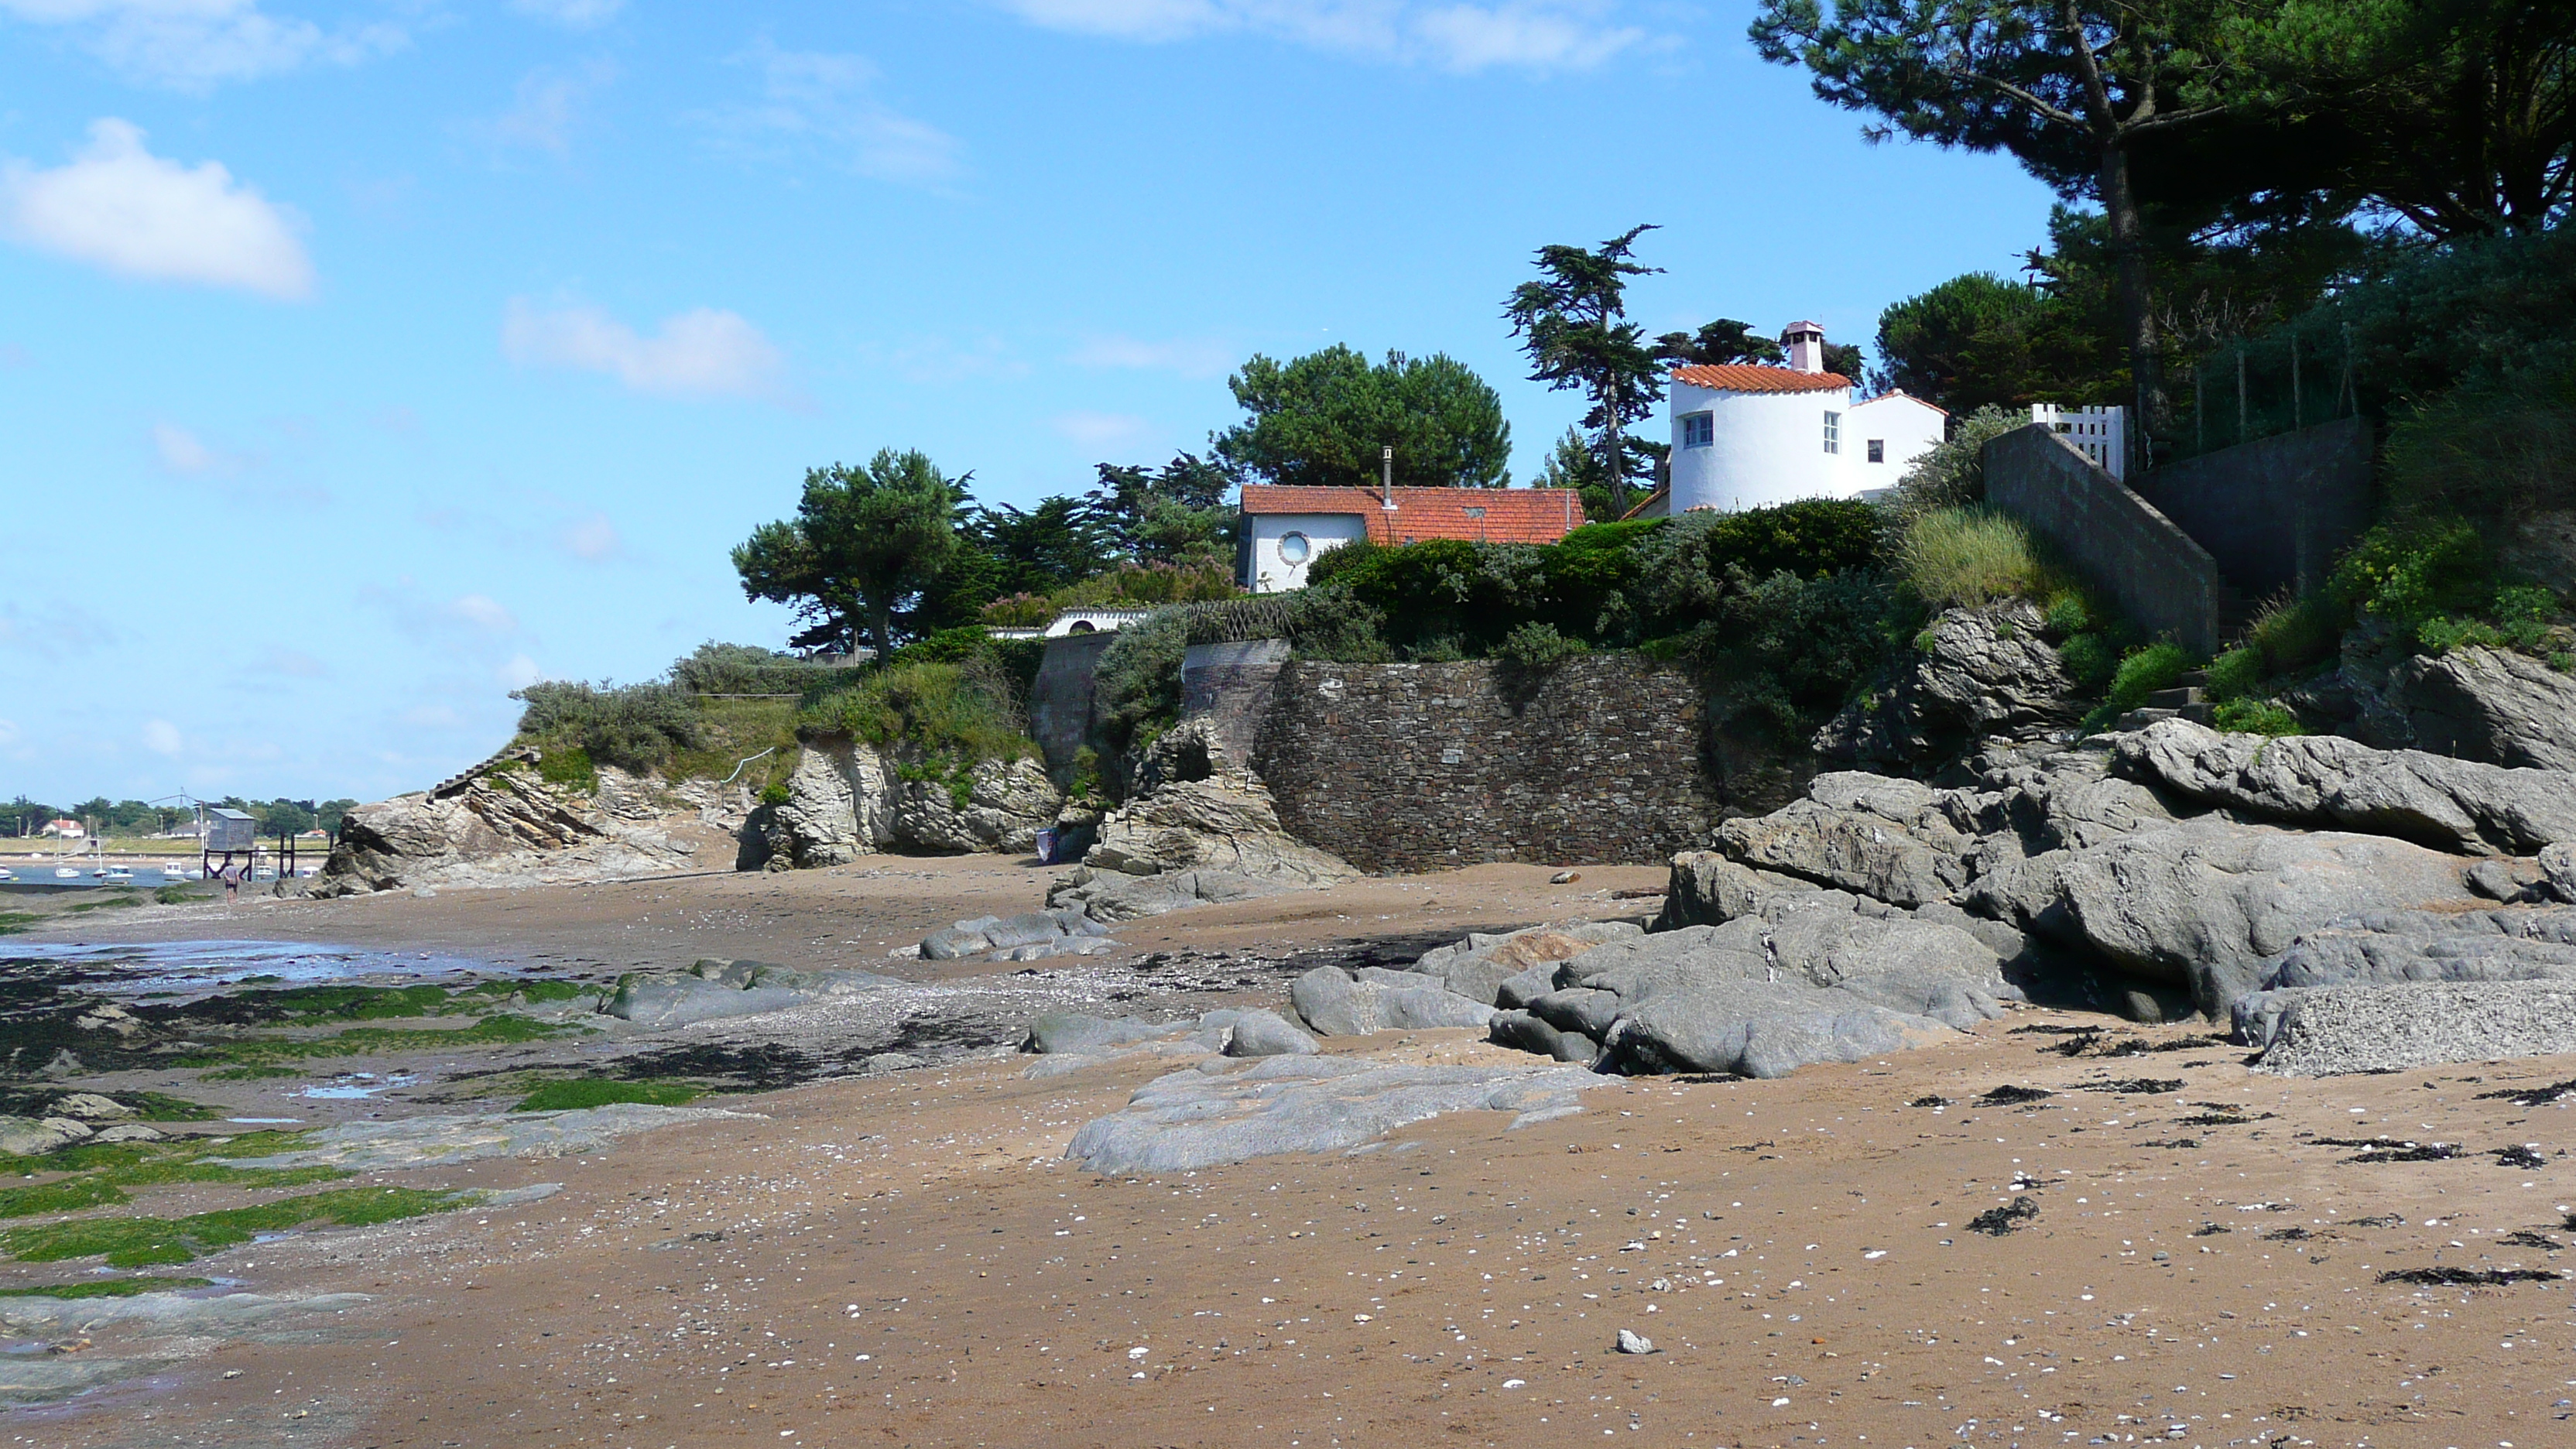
1428	766
2273	512
2119	542
1061	717
1233	685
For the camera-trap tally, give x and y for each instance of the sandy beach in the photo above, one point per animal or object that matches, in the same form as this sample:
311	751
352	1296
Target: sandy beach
2186	1251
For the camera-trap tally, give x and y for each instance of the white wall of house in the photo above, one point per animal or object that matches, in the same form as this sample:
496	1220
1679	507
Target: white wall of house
1905	428
1763	448
1766	448
1283	544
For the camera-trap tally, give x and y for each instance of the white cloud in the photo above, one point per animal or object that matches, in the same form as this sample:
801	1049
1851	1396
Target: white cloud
484	611
118	207
570	14
1534	35
1190	357
548	106
188	455
1101	430
820	98
518	672
703	352
161	737
192	44
593	537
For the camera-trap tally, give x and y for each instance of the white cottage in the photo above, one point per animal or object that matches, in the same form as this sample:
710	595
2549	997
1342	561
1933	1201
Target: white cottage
1748	436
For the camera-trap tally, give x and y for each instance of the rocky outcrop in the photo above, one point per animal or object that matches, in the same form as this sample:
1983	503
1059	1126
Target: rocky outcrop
2489	705
1976	674
839	807
1204	829
998	806
715	988
847	799
1477	967
509	827
1335	1003
2326	780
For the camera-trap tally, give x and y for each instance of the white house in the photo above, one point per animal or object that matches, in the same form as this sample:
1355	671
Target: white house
1748	436
1287	526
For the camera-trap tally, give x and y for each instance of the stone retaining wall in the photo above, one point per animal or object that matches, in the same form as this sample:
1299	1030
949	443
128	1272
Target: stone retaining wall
1397	767
2158	575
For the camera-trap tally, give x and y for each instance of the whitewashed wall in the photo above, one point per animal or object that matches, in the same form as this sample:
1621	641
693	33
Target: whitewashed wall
1769	448
1273	574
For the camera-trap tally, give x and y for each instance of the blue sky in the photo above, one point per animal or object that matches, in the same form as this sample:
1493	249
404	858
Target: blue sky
359	363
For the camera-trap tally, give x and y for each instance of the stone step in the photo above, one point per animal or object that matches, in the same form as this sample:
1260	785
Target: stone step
2192	678
2138	719
2176	698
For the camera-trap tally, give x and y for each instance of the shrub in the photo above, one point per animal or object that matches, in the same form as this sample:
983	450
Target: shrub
2157	666
2255	717
2407	570
1955	557
742	669
2496	448
2295	633
1019	611
966	709
2089	658
1536	649
634	727
1951	474
2234	674
774	793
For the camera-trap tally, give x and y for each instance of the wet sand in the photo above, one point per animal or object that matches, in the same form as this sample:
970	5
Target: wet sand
907	1259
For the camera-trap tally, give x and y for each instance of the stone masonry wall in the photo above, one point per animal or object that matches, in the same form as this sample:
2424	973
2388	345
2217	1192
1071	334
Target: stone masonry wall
1398	767
2164	581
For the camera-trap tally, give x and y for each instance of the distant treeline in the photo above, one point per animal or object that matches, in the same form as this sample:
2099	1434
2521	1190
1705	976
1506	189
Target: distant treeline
22	816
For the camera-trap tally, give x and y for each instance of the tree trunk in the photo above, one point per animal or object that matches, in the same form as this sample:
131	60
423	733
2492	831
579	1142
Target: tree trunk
2148	414
881	623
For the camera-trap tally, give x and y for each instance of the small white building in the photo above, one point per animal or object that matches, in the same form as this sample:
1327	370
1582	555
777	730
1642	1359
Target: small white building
1749	436
1287	527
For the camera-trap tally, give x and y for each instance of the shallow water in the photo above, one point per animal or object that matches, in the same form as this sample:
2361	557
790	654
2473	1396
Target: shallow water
186	966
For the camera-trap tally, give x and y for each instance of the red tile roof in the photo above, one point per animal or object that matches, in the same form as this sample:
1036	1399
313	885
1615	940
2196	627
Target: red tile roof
1480	515
1747	377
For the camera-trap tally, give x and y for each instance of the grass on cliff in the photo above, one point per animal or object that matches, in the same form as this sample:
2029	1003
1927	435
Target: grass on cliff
1964	557
141	1242
964	708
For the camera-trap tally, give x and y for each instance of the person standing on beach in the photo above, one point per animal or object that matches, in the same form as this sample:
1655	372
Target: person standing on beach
232	884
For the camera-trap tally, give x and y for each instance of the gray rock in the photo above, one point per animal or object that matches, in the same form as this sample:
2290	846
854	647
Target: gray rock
1524	1031
90	1107
2328	1030
839	807
2203	902
1266	1034
32	1136
2558	868
1333	1004
439	1141
1976	674
1635	1342
1708	889
1292	1104
1074	1032
954	944
1007	802
890	1062
1477	966
715	988
129	1132
2489	705
1111	897
1760	1029
2326	780
1886	839
1224	820
1519	991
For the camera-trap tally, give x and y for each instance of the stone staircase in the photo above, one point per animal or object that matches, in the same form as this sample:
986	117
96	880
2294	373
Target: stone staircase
2188	699
462	778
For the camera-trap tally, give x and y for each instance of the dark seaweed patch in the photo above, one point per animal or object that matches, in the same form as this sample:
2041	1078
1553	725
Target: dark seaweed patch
2144	1086
1929	1101
2470	1277
2211	1230
2531	1096
2011	1096
2041	1028
2519	1156
761	1067
2529	1238
2219	1119
2289	1235
1995	1222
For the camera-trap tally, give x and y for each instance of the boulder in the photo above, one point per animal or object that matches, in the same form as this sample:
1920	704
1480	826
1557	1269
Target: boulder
1110	896
1477	967
1708	889
1760	1029
1887	840
998	805
2490	705
1266	1034
506	826
839	807
2203	902
2326	780
1225	824
33	1136
1975	674
1331	1003
1074	1032
2328	1030
2558	870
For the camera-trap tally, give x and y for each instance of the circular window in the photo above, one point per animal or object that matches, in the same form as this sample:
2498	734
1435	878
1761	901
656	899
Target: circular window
1295	548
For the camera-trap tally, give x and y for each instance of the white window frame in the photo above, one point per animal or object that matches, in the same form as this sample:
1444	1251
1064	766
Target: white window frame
1305	551
1699	430
1833	432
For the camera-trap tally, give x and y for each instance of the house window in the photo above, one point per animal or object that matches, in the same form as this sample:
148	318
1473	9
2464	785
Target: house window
1878	450
1698	430
1295	548
1833	432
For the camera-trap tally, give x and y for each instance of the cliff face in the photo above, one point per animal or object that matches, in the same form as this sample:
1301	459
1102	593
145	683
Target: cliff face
847	799
507	827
